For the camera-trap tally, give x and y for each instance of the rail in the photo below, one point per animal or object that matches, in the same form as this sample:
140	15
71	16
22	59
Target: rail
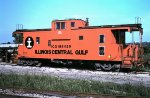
11	92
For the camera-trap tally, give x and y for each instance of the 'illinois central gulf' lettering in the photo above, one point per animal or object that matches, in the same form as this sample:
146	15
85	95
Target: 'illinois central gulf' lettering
81	52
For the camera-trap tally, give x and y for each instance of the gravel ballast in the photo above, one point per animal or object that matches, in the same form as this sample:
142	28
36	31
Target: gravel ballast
115	77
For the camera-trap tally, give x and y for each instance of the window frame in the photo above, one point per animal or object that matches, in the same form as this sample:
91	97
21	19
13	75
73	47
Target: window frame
63	27
37	40
99	50
81	37
72	24
49	42
60	25
100	38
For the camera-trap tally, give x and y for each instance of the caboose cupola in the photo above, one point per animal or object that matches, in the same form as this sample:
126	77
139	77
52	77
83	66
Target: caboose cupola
68	24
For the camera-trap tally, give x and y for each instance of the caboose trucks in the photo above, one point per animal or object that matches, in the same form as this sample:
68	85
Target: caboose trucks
73	40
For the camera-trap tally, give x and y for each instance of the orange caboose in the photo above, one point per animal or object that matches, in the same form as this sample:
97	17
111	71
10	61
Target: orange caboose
73	40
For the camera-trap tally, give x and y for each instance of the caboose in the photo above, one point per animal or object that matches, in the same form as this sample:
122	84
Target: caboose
73	40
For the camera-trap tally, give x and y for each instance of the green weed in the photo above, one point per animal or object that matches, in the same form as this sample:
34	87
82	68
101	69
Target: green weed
70	85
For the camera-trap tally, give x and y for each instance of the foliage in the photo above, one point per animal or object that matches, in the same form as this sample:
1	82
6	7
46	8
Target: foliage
70	85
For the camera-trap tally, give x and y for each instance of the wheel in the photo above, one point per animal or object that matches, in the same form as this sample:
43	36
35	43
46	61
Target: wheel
97	66
106	67
39	65
19	62
116	67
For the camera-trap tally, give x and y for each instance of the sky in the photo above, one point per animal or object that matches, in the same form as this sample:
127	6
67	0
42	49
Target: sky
36	14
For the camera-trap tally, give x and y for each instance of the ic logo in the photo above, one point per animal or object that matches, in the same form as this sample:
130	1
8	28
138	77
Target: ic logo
29	42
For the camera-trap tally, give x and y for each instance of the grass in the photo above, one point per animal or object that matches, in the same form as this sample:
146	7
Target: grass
70	85
146	67
146	58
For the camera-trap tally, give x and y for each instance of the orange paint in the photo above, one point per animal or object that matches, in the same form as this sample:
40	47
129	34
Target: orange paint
65	44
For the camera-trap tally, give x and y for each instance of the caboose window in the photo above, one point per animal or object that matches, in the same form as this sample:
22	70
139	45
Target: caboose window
72	24
60	25
57	25
49	42
101	38
80	37
101	51
38	40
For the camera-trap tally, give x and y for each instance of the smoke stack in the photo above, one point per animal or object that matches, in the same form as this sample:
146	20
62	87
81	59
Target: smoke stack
87	21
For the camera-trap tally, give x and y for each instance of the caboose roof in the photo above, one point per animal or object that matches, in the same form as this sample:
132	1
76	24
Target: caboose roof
30	30
67	19
86	27
112	26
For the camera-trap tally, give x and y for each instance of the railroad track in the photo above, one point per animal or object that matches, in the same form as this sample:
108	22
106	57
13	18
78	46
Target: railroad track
134	77
133	72
28	93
